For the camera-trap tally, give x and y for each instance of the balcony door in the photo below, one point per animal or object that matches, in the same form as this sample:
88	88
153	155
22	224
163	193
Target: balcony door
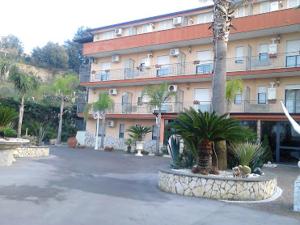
292	98
164	67
205	65
293	53
202	99
129	69
127	102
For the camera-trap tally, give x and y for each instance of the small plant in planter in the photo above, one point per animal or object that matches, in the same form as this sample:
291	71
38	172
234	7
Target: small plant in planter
72	142
128	142
138	133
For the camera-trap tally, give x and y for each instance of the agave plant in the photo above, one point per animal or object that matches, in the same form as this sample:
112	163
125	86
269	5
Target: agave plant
138	132
7	115
200	130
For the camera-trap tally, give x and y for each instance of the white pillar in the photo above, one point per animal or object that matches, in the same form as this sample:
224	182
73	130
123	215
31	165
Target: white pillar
97	132
258	130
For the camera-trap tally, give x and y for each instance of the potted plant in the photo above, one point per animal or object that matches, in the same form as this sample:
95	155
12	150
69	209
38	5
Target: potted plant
138	133
128	142
72	142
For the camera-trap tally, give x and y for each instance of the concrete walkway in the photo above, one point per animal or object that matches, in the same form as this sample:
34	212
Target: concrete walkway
88	187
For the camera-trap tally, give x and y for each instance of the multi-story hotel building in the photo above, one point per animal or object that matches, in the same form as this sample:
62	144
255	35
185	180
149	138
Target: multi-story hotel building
263	51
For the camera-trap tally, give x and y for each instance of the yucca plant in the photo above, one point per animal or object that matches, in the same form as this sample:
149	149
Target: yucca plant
138	132
248	154
200	130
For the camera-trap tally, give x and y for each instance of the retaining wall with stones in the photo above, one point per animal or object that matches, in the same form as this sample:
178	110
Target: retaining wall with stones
31	151
215	187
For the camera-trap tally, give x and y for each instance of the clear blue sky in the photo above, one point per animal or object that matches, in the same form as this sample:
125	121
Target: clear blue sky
36	22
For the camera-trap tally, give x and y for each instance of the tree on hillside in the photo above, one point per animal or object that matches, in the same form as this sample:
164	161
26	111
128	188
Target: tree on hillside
74	49
223	13
99	109
11	45
62	88
52	55
25	85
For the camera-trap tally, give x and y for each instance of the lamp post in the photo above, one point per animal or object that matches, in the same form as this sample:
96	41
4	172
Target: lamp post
97	116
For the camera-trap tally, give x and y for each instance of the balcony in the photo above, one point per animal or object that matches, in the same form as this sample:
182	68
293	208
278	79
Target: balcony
287	20
257	66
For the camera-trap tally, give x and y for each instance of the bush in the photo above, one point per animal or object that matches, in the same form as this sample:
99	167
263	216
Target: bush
249	154
9	132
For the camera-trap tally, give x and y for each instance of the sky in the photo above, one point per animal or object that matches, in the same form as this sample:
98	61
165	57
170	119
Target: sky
36	22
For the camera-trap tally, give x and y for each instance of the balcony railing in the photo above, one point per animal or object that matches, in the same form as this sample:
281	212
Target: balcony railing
244	106
263	61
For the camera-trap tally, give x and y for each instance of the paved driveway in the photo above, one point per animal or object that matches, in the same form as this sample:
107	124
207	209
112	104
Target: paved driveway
98	188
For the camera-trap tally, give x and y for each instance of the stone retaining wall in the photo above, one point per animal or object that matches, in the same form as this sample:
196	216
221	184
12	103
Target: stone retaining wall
31	151
243	189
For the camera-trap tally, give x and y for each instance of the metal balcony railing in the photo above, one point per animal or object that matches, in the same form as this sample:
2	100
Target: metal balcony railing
263	61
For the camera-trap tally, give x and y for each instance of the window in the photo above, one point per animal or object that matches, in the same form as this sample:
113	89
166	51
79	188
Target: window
292	100
238	99
240	12
107	35
154	132
264	7
103	74
274	6
262	95
165	25
205	18
164	67
293	3
203	99
263	53
146	28
293	53
205	62
121	130
239	54
130	31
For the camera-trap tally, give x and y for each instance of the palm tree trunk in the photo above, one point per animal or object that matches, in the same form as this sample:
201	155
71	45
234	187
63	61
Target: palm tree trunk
220	37
102	132
21	114
158	132
62	104
205	157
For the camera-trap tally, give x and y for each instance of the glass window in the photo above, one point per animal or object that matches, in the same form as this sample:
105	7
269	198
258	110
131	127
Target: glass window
205	62
239	54
264	7
240	12
164	67
292	100
121	130
205	18
293	3
238	99
166	24
263	52
262	95
293	53
107	35
130	31
274	6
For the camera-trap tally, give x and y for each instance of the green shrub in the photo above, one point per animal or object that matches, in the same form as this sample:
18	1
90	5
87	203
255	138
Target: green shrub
248	154
9	132
7	116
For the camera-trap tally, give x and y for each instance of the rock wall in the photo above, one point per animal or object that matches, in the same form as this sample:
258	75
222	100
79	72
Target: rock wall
239	189
297	195
39	151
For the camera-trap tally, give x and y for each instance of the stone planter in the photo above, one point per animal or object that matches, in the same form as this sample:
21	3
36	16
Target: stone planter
72	142
216	187
31	152
139	148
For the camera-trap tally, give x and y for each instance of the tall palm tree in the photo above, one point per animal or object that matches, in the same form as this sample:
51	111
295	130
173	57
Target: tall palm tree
201	130
223	13
100	108
63	87
158	95
25	85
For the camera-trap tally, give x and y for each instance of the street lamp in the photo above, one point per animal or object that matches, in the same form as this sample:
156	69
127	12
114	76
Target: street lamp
97	116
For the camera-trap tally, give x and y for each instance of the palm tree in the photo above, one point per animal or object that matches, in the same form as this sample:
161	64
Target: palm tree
25	85
63	87
223	13
233	87
158	95
100	108
201	130
138	132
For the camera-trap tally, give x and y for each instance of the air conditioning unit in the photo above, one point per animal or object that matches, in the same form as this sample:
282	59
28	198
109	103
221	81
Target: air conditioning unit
273	49
175	52
111	123
172	88
272	93
119	31
113	91
147	63
177	21
115	58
